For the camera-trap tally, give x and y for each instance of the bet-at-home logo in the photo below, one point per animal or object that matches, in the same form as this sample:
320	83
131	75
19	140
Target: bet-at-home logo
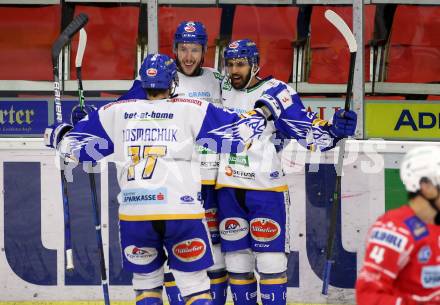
12	116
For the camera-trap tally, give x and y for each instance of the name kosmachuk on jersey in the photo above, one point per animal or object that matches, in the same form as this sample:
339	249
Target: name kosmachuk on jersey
149	134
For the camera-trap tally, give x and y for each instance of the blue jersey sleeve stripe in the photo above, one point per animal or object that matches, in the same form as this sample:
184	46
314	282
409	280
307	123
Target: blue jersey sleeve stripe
225	131
89	141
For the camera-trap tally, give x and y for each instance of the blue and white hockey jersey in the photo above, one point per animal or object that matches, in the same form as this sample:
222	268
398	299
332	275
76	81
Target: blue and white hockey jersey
205	86
259	167
152	143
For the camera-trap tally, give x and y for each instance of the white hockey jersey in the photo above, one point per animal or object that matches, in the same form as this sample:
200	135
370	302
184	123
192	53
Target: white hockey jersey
205	86
152	144
258	167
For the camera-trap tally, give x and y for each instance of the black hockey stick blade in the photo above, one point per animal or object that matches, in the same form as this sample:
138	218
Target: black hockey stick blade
77	23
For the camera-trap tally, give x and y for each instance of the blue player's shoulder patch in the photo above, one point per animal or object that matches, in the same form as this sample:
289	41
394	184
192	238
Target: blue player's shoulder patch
417	227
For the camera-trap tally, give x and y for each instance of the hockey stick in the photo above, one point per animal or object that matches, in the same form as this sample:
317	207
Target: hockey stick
77	23
78	64
343	28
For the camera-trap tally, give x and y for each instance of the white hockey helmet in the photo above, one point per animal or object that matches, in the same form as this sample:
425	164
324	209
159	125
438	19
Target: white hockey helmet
420	162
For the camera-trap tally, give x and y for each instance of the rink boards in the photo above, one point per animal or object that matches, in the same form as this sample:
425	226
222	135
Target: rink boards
31	222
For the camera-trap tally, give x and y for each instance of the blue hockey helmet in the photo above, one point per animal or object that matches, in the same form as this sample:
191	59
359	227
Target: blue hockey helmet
244	48
191	32
158	71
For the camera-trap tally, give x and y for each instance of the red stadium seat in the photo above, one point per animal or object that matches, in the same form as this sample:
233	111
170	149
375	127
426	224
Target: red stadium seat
171	17
414	55
27	34
385	97
273	29
329	52
111	43
433	98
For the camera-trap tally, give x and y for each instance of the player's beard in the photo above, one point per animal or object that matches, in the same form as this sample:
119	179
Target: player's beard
241	82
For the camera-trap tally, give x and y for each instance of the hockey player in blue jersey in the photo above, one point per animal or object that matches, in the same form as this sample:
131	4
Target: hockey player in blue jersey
152	143
253	193
190	46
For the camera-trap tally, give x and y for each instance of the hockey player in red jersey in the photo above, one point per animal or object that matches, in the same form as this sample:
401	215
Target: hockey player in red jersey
402	259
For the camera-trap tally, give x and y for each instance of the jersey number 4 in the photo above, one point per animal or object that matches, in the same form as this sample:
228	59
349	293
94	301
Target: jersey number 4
377	254
149	155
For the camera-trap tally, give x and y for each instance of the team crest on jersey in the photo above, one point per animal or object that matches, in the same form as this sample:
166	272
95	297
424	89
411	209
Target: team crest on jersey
190	250
389	239
233	228
264	229
285	98
234	132
190	28
140	255
417	227
424	254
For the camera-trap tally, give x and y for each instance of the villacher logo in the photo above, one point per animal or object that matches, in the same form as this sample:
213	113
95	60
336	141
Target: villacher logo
190	250
264	229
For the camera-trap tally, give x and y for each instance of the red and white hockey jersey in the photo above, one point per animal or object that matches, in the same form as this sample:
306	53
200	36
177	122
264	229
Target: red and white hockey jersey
402	261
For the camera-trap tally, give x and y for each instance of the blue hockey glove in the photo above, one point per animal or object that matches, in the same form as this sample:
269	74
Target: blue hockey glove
344	124
55	133
79	113
277	99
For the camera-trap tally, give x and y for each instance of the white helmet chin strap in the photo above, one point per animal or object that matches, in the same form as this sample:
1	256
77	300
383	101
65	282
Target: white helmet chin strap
253	73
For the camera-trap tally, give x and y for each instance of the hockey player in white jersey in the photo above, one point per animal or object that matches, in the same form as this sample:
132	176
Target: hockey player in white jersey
152	142
190	46
253	192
